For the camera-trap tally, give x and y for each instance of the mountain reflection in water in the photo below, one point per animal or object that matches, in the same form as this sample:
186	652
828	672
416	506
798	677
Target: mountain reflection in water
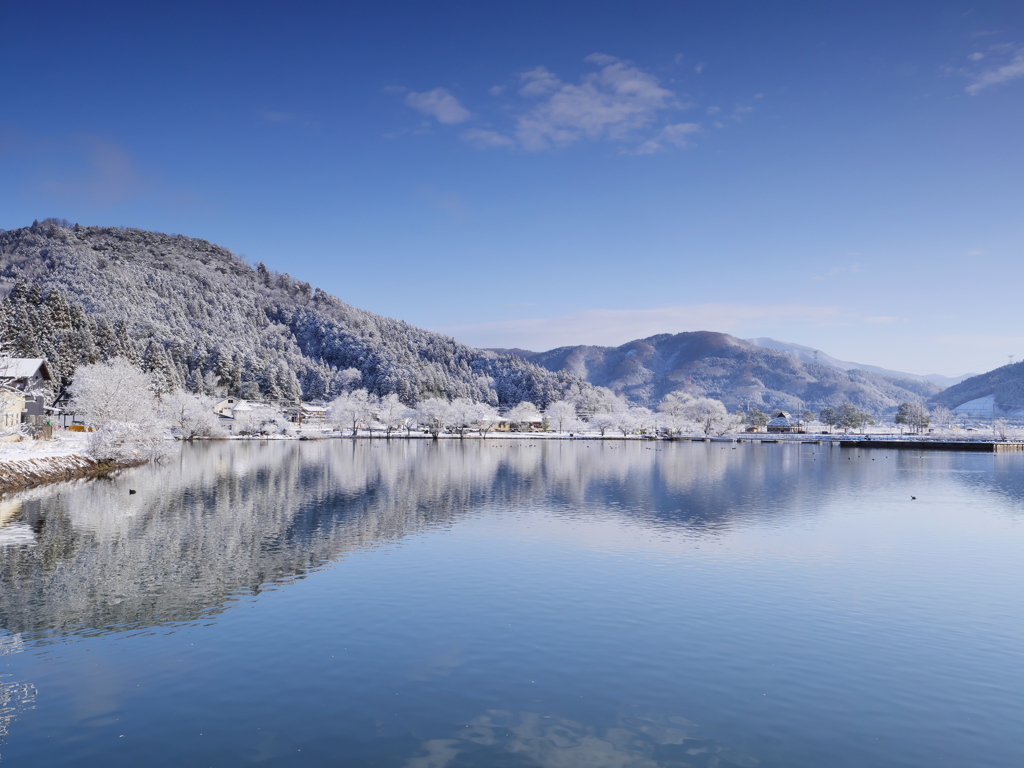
223	519
517	603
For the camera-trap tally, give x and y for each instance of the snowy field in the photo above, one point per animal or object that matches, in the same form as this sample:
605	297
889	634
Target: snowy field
62	444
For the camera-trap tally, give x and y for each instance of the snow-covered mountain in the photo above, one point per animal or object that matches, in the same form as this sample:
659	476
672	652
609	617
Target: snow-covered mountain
193	313
730	369
811	355
998	392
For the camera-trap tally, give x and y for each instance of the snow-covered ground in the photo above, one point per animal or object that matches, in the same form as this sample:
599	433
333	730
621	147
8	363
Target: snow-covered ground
62	444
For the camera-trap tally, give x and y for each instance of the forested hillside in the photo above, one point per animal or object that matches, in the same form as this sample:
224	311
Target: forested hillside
1005	384
197	316
729	369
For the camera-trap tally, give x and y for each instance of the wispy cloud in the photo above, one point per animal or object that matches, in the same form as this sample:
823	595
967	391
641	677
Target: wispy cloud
274	116
440	105
106	173
676	135
617	326
451	203
616	102
1010	67
850	269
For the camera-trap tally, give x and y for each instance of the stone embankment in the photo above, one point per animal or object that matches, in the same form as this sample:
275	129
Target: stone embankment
16	474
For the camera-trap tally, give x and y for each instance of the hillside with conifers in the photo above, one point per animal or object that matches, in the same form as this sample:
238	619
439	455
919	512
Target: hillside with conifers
196	316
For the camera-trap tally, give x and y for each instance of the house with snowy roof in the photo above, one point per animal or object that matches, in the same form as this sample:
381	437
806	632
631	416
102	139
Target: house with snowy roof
783	422
23	390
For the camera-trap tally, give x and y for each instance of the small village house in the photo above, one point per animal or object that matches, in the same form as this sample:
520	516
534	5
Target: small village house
231	407
23	391
308	415
782	422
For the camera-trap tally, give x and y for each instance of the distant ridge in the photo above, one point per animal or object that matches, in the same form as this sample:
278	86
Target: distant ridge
810	355
998	392
730	369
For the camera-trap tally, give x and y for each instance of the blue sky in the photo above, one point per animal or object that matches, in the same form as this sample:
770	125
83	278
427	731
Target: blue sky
841	175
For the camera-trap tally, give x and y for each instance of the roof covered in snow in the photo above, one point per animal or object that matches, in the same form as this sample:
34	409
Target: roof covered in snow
23	367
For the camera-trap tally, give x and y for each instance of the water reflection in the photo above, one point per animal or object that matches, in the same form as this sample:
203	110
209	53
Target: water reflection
15	697
533	739
224	519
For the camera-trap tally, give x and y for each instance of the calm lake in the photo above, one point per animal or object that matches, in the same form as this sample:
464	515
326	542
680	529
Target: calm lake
516	603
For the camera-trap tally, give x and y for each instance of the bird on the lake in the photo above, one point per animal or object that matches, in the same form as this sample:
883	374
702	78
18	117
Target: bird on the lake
131	491
913	498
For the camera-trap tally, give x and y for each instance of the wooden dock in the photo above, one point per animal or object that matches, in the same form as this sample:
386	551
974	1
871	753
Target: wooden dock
973	446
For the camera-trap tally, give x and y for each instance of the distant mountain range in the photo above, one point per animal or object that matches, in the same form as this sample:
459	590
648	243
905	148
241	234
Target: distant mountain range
733	370
810	355
195	315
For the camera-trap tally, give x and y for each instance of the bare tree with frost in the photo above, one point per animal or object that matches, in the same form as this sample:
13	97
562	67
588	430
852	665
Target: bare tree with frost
561	415
116	399
393	413
192	414
352	409
523	413
708	413
433	415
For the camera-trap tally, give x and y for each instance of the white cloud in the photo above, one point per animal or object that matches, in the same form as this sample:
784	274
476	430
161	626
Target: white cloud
1010	70
616	102
699	68
610	327
487	139
677	135
439	104
976	56
538	82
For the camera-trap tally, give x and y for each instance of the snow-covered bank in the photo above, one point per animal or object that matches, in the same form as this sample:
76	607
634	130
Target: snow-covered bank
33	462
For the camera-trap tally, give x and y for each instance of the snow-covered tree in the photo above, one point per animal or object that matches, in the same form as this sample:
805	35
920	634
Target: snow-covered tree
114	391
675	408
914	415
523	413
625	421
708	413
462	414
848	417
942	415
561	415
829	417
602	422
487	418
755	417
433	415
644	419
192	414
116	398
352	409
393	413
348	378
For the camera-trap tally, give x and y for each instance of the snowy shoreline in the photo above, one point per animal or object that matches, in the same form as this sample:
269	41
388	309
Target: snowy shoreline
22	473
